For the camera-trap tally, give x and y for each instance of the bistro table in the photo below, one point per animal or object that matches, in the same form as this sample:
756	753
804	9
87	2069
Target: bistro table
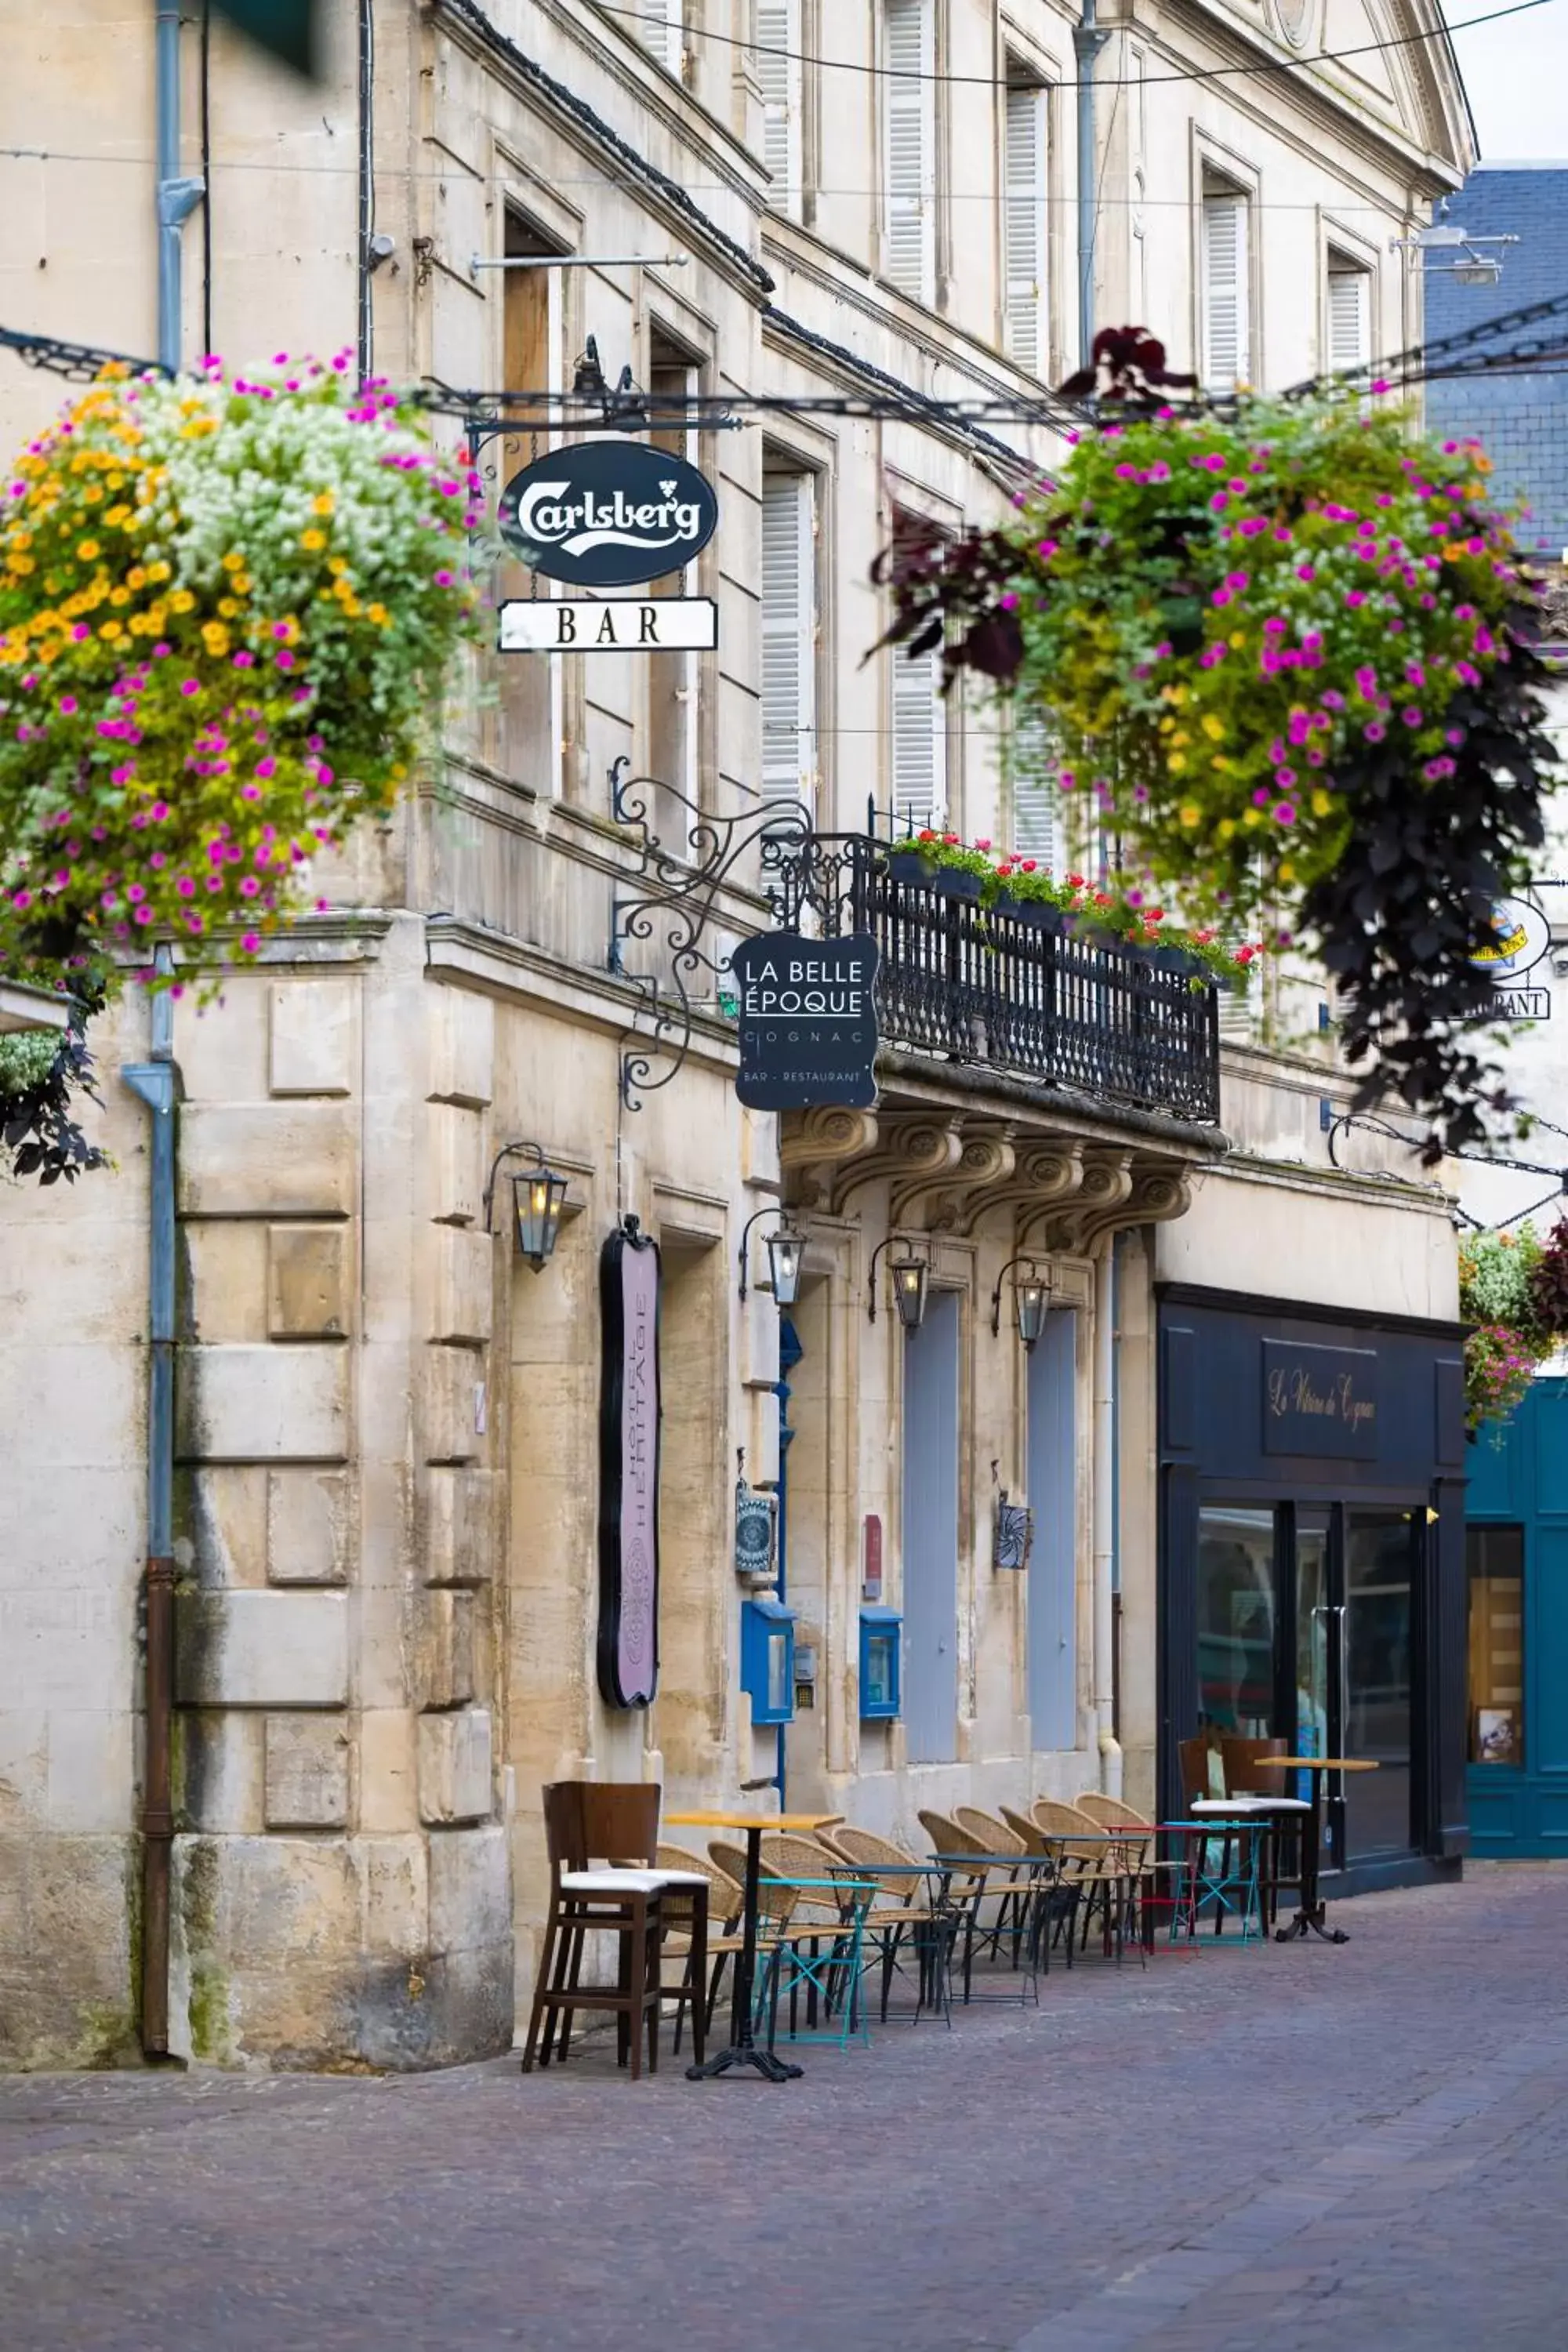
1311	1919
744	2050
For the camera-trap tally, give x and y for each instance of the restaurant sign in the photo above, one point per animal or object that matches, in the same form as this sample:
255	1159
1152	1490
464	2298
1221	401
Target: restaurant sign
608	514
807	1012
628	1468
1319	1401
1520	941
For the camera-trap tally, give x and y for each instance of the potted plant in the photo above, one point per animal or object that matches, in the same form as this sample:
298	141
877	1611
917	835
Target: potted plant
1291	660
228	608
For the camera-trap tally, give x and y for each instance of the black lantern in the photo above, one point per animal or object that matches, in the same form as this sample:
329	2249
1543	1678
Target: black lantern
1031	1299
786	1257
538	1200
910	1276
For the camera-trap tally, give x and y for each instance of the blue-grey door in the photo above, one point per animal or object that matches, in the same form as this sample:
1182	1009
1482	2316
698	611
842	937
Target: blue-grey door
1517	1515
930	1532
1053	1566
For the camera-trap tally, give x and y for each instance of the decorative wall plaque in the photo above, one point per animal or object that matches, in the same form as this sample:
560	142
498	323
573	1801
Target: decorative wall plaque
628	1468
1015	1534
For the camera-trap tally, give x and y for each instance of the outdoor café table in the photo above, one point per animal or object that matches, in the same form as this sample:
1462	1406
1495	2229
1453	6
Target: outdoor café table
743	2050
1309	1919
1271	1814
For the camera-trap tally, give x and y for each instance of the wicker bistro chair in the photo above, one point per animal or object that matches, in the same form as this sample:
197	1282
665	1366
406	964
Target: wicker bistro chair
904	1908
726	1901
973	1885
1138	1856
584	1819
1093	1860
999	1837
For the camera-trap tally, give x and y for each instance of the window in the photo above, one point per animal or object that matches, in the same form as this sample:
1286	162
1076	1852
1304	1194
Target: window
1036	833
789	637
919	740
661	28
1496	1556
1236	1620
1024	317
910	145
1350	314
1226	309
780	73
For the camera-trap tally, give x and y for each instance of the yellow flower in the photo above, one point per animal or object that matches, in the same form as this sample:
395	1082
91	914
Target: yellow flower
1321	804
120	596
233	562
312	541
380	615
1190	812
87	548
1213	727
240	583
324	504
214	636
159	571
1180	736
111	629
137	578
1286	871
181	601
227	607
92	495
1226	827
1238	639
117	514
1178	763
336	564
21	564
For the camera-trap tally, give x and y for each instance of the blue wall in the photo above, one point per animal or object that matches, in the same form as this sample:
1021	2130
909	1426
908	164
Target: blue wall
1521	420
1519	1473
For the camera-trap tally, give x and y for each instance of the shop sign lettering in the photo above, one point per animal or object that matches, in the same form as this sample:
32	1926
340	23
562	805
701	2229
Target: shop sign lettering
1319	1401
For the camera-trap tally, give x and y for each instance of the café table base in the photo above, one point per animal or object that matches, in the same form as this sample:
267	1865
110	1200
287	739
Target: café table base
1310	1923
772	2069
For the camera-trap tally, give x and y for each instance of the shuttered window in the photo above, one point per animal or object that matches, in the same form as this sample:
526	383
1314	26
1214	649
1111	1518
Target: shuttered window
1227	355
779	71
1036	833
920	741
789	638
1024	228
661	27
1350	317
909	146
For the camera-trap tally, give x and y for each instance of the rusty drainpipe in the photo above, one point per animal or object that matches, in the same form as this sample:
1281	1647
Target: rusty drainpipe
154	1081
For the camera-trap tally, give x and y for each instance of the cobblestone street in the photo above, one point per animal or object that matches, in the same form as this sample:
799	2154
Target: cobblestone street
1362	2148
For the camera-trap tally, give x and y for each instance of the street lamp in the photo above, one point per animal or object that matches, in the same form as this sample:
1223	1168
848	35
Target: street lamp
786	1257
538	1199
1031	1300
909	1275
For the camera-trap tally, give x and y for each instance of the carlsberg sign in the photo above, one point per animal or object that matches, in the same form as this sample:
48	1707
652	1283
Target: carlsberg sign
608	514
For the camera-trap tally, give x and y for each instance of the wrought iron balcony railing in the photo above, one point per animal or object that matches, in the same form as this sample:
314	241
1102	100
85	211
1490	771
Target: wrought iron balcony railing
976	984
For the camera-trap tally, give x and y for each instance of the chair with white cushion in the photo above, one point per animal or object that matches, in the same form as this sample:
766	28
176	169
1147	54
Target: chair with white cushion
602	1838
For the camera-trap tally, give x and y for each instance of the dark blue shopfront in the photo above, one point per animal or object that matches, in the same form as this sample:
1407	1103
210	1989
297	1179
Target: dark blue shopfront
1313	1584
1516	1538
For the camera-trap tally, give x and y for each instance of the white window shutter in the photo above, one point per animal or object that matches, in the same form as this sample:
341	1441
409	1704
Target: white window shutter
779	72
1241	1009
789	638
1226	356
662	29
919	740
1350	323
910	131
1036	832
1024	228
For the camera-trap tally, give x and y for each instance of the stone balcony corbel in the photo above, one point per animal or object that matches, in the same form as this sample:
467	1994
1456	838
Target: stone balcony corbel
813	1143
917	1154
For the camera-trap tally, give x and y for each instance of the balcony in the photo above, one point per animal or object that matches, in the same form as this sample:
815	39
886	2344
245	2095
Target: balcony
1117	1024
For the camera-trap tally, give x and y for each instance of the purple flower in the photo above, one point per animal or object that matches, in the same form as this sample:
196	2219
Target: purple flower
1410	716
1375	730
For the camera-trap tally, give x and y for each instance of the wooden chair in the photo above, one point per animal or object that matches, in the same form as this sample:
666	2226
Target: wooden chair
1241	1779
621	1896
726	1901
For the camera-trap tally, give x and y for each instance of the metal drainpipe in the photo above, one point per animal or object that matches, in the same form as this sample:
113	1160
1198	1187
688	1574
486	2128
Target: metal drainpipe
177	197
154	1082
789	1357
1088	40
1105	1517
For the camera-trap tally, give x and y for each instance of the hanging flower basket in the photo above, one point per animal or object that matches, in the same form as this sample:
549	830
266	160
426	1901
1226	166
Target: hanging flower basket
1290	657
227	614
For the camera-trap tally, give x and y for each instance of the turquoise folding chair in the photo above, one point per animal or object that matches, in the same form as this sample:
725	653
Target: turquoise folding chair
819	1960
1224	1874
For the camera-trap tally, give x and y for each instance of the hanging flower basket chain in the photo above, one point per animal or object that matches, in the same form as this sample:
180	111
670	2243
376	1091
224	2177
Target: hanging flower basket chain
1292	662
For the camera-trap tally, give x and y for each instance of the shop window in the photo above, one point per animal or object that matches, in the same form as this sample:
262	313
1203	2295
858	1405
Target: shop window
1497	1643
1236	1620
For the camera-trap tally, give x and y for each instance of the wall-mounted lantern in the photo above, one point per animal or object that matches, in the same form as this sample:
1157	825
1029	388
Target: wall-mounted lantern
537	1198
1031	1299
909	1278
786	1258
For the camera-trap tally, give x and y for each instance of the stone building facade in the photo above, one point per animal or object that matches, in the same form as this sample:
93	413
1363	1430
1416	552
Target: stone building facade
387	1430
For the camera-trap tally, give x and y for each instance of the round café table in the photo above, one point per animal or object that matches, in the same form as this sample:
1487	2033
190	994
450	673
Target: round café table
1309	1919
745	2049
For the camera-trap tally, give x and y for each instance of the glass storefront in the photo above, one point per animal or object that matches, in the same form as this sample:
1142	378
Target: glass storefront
1496	1561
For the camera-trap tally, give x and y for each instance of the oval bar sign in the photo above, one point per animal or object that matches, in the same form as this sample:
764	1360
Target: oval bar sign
608	514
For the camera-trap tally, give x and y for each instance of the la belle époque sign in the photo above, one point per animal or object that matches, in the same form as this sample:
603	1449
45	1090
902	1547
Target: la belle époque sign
1319	1401
807	1020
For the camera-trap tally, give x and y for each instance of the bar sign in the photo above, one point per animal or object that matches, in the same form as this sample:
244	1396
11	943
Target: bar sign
609	625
